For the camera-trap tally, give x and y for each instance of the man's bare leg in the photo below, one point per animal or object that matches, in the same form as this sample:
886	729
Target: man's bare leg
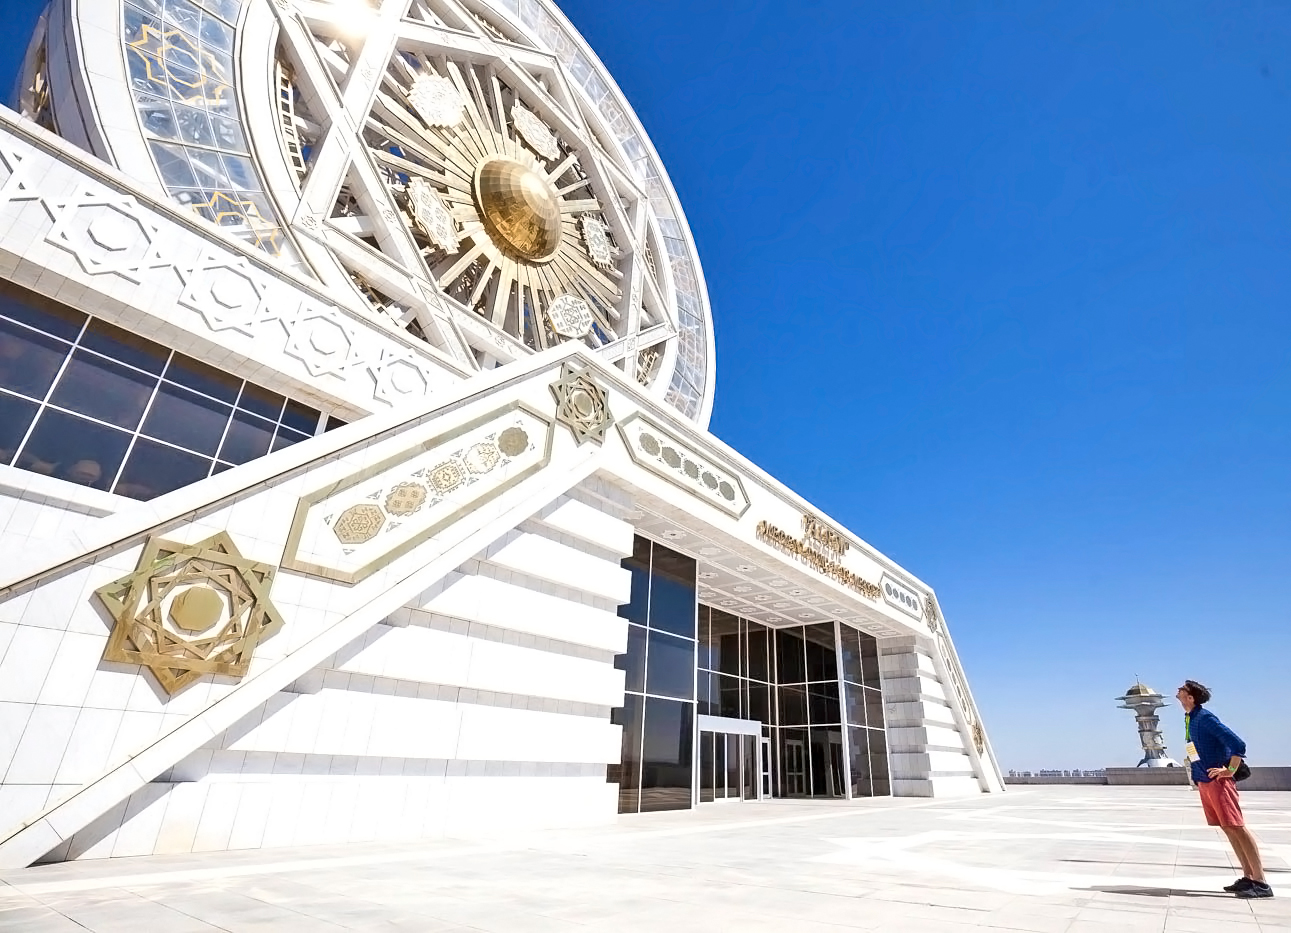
1243	843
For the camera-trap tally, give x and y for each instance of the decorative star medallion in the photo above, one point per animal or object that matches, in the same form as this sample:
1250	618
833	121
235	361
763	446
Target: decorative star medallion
432	216
534	132
581	405
189	610
436	100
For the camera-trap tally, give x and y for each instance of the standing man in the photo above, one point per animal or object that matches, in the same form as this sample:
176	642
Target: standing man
1214	753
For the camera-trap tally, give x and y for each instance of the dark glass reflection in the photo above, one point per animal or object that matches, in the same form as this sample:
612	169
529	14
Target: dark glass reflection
869	660
154	469
706	695
827	763
790	662
873	708
16	415
122	345
196	375
34	311
724	642
103	390
634	610
758	641
300	417
854	704
261	402
859	758
793	706
632	663
851	652
879	763
74	449
822	702
248	437
187	419
759	703
672	592
29	360
628	772
822	663
670	666
666	755
729	696
795	775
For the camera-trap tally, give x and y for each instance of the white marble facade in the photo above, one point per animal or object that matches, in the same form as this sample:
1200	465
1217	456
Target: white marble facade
445	666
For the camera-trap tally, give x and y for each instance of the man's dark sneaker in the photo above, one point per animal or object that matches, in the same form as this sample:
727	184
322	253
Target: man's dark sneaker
1257	889
1241	884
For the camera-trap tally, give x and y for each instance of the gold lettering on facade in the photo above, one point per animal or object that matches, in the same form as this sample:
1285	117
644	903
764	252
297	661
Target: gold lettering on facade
820	548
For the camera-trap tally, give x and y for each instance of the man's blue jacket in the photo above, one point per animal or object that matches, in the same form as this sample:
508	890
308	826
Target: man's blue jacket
1216	744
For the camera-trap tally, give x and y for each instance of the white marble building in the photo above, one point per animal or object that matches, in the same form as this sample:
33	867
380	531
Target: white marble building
355	368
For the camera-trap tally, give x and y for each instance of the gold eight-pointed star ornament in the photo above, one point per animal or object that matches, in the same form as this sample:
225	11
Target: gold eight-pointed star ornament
189	610
581	405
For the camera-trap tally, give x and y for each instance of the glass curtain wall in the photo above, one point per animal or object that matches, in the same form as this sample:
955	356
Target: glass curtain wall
814	688
867	740
658	713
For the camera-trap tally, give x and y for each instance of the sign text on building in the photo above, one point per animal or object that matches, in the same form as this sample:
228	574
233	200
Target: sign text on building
821	548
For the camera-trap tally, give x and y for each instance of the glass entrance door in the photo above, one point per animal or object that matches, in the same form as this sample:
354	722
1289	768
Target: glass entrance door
729	765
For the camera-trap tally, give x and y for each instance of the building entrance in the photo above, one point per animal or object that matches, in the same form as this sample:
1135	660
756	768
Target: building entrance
733	763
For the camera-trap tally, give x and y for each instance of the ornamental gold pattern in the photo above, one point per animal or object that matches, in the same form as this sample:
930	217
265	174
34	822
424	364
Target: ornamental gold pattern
190	610
516	196
581	405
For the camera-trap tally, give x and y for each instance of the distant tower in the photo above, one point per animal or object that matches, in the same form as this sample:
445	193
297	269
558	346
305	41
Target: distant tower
1145	702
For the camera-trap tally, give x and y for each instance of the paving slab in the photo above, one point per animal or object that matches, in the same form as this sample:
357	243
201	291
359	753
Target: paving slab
1043	859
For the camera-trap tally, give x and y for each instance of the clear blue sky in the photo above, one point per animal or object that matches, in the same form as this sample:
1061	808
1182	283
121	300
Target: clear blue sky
1006	292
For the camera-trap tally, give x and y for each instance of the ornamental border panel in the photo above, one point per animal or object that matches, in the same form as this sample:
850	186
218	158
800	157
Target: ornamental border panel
291	551
723	479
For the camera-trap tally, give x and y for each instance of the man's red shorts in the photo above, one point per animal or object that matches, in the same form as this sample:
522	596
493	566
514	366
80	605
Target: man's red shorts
1219	800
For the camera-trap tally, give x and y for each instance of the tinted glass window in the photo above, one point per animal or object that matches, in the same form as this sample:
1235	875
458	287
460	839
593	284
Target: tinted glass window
822	663
723	642
300	417
628	771
823	703
632	663
634	610
790	664
16	415
667	749
34	311
672	592
859	755
854	697
851	652
122	345
261	402
869	660
203	378
104	390
248	437
758	641
670	666
29	360
74	449
154	469
793	706
187	419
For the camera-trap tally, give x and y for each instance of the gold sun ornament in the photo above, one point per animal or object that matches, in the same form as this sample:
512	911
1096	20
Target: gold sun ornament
507	220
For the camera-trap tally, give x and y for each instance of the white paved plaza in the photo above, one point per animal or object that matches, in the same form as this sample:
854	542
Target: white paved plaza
1060	859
